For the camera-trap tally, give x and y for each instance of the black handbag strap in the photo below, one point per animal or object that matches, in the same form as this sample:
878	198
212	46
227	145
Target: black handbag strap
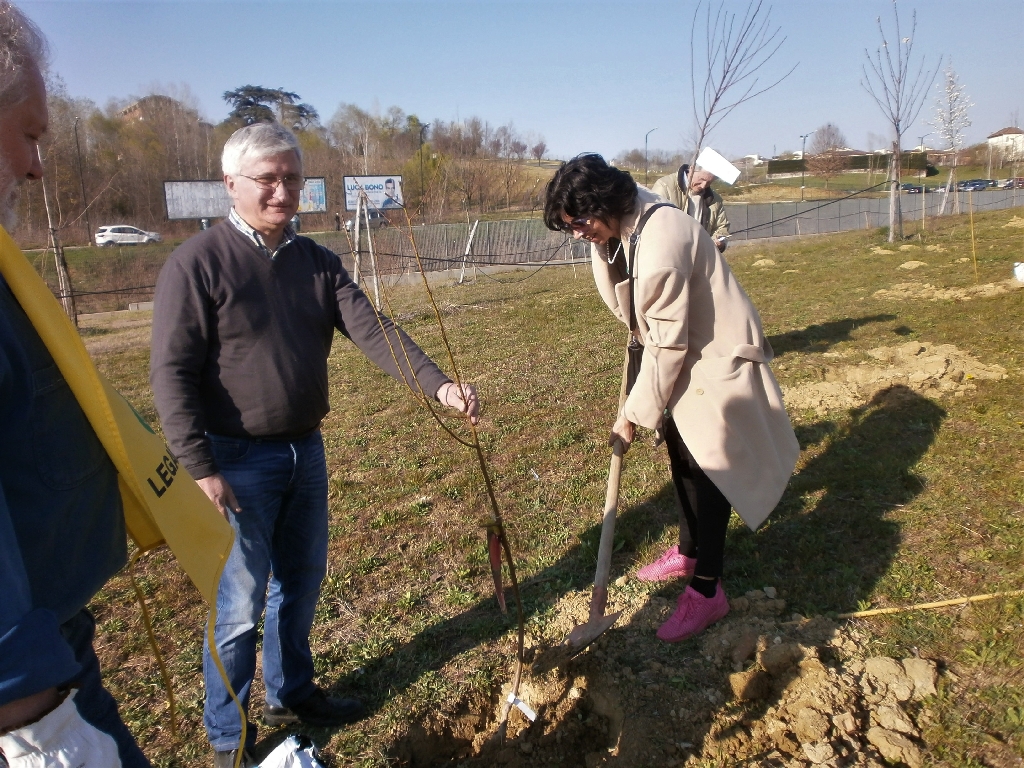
634	241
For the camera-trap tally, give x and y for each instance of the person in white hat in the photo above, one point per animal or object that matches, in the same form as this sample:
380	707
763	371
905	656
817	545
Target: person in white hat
701	201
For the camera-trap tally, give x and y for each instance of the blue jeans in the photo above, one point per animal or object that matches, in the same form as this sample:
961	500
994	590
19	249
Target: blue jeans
280	537
94	703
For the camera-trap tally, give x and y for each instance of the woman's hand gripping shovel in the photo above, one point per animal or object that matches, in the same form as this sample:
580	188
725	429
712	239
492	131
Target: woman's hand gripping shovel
599	622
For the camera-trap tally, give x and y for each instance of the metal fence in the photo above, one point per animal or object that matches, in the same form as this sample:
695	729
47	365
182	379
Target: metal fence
444	246
527	241
748	221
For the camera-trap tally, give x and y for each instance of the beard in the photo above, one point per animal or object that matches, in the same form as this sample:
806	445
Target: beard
10	192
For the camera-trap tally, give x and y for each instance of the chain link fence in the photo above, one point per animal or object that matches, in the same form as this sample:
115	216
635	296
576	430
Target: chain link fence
749	221
444	246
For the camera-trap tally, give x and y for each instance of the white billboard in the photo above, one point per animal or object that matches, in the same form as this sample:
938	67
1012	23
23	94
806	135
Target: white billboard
210	199
382	192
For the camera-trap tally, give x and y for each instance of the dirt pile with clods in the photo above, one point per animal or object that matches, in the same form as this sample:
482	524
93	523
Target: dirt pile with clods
759	687
935	370
929	292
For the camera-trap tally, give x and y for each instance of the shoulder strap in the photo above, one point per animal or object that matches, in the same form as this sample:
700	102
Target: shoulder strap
634	241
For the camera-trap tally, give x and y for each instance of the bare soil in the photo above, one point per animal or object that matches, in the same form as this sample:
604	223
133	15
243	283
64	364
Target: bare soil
934	370
761	687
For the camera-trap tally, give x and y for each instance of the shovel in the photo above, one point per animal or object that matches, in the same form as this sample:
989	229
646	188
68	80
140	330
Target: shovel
598	623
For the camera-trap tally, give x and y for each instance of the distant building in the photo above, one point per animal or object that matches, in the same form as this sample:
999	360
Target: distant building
1008	141
148	106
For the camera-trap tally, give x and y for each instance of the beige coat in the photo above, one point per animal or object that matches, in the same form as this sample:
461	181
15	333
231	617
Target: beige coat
705	358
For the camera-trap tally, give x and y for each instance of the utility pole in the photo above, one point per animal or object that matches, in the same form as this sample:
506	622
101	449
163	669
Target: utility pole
803	162
81	179
422	190
645	153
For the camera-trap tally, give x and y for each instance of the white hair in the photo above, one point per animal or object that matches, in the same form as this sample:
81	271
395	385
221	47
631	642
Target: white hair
254	142
22	48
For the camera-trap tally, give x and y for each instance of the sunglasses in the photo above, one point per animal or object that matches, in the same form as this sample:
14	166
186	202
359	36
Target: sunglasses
580	222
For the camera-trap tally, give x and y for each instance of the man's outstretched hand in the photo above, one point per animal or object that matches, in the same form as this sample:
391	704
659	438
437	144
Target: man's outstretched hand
465	401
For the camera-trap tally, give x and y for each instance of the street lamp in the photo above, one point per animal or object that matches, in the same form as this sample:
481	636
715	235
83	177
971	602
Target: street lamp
645	153
803	162
81	179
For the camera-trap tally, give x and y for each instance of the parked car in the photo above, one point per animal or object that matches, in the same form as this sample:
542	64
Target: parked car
912	189
121	234
972	185
1016	183
377	220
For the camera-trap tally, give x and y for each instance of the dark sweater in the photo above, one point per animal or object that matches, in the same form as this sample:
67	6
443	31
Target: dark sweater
240	341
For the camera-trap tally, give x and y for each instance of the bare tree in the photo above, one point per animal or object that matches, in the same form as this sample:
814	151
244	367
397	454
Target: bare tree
733	52
900	92
827	137
538	150
825	158
950	123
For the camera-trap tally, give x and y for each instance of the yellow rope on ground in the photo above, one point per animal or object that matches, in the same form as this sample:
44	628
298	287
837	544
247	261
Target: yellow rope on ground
152	642
930	606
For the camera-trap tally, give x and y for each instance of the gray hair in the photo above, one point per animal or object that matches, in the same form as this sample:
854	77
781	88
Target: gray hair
254	142
22	47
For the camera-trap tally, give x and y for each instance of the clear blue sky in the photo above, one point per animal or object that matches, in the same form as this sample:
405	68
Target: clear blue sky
586	76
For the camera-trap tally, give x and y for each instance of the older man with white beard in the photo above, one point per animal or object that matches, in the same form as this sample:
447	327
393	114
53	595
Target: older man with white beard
62	532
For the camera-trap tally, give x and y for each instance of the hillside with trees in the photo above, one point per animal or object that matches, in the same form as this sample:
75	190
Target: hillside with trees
108	165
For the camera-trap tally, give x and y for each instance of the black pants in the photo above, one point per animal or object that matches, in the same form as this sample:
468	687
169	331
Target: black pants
704	510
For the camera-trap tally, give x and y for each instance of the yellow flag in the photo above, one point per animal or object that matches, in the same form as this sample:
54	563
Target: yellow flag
162	503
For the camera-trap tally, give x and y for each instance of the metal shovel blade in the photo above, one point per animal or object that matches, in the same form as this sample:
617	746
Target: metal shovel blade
576	643
583	635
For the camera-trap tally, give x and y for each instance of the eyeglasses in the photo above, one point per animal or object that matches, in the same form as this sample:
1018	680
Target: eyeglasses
580	222
292	182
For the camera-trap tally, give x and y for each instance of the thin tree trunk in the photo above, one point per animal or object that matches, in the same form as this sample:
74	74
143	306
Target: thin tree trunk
67	296
895	211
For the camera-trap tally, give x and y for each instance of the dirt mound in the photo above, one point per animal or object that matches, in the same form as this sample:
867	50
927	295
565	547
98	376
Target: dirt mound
931	369
903	291
755	688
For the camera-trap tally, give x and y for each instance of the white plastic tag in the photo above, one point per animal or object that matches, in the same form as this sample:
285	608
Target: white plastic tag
523	707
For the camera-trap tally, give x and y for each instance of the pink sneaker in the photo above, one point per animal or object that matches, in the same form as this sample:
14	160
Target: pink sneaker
694	614
670	565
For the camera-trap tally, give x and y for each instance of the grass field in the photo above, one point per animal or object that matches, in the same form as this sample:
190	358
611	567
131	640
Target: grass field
903	494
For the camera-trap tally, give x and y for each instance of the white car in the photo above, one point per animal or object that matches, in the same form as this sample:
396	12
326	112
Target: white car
122	234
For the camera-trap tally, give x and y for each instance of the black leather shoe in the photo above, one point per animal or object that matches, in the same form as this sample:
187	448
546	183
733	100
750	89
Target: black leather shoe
318	710
227	759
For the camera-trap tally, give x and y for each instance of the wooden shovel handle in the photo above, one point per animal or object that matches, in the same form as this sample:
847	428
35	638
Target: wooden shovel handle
599	599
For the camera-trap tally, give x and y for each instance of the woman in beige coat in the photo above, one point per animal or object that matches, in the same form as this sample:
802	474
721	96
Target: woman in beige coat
704	382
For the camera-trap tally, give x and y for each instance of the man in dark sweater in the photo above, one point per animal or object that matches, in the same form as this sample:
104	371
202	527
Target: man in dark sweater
244	317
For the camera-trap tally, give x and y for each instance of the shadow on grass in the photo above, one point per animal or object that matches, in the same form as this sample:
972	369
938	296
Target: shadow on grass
831	539
819	337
